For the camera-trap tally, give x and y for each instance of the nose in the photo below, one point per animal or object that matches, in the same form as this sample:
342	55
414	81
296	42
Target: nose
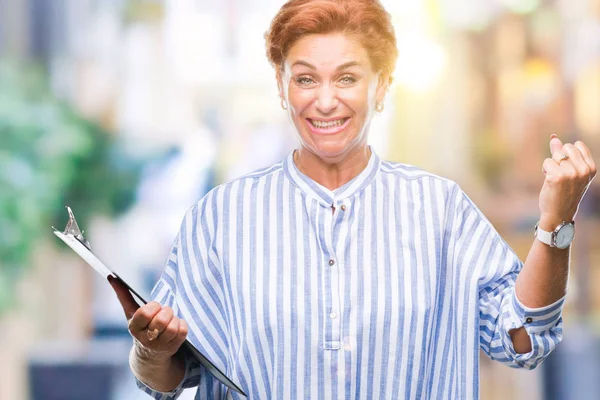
327	99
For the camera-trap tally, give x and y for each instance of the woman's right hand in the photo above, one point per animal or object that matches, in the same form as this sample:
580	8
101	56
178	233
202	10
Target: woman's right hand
158	333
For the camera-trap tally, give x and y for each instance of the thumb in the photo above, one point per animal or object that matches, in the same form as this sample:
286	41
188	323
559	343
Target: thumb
555	144
125	298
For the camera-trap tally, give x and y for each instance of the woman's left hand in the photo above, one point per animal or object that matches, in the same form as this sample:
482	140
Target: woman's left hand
567	179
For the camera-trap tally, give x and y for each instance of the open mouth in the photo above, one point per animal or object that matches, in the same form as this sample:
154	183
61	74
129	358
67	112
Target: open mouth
328	127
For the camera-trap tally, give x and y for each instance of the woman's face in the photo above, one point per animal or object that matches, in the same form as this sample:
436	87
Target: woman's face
331	91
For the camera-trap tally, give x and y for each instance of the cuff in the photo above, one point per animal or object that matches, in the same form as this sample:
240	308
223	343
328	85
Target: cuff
171	395
535	320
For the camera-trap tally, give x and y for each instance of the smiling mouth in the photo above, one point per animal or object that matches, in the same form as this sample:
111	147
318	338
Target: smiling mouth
331	127
328	124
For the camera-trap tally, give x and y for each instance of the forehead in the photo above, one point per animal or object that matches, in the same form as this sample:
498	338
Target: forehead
327	51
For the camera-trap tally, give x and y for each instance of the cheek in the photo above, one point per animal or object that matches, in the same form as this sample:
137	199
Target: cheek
358	99
300	104
299	99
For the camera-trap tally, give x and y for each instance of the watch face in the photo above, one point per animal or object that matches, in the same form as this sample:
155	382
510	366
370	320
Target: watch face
565	236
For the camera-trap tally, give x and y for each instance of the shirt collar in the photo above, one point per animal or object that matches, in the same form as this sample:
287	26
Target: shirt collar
324	195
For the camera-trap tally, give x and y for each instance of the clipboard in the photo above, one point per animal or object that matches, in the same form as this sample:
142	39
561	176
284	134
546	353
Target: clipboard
73	237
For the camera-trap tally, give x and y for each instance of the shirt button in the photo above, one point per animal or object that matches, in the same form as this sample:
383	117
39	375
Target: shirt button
529	320
331	262
332	315
343	207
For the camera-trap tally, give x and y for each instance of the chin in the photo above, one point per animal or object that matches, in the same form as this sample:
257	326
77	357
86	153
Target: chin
333	152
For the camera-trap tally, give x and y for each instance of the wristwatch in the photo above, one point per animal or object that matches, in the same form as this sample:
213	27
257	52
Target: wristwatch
561	237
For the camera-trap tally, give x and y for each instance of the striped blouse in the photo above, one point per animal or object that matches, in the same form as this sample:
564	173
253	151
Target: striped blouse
385	288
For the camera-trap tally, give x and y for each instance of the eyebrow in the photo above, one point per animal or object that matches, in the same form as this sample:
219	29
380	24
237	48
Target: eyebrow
339	68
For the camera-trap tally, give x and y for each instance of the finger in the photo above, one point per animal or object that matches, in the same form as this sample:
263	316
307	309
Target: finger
183	332
567	167
587	155
143	316
170	331
127	301
551	168
160	321
576	158
555	144
560	156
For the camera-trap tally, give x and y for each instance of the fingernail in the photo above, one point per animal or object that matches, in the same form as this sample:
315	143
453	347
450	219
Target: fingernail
554	135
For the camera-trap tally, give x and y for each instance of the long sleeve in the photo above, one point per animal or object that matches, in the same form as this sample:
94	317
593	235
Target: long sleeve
500	310
191	285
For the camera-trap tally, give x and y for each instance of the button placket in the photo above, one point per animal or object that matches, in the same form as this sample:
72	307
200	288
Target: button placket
332	340
333	320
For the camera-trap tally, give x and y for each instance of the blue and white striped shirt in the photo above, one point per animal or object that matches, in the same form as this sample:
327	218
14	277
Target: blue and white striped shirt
384	288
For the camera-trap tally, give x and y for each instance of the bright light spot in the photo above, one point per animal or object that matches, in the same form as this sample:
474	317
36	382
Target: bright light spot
522	6
420	62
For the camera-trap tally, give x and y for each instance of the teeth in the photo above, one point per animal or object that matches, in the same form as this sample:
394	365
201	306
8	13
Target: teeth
330	124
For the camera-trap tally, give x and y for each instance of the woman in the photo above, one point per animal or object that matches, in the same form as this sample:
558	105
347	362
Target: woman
334	274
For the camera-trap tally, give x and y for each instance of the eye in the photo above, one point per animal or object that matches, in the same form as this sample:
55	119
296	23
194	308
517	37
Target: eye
347	79
304	80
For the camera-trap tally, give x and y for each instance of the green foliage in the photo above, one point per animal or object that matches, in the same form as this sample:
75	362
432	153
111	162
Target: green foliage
49	158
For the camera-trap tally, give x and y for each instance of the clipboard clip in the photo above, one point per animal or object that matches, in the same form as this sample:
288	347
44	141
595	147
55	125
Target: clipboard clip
73	229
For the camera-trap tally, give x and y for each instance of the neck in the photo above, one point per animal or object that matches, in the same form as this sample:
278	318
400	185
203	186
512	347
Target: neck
332	175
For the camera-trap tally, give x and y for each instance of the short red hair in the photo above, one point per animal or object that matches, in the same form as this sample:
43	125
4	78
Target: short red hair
366	20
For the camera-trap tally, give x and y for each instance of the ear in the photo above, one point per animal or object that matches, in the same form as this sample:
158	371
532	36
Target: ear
383	85
280	87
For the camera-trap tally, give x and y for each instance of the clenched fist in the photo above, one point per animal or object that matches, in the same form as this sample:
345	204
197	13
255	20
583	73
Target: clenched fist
158	333
569	173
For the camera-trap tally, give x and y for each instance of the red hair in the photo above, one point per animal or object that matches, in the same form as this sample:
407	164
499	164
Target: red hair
366	20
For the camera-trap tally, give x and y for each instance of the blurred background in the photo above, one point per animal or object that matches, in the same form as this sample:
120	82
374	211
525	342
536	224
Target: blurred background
130	110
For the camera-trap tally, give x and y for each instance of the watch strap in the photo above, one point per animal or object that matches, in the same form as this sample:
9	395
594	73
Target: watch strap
543	236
